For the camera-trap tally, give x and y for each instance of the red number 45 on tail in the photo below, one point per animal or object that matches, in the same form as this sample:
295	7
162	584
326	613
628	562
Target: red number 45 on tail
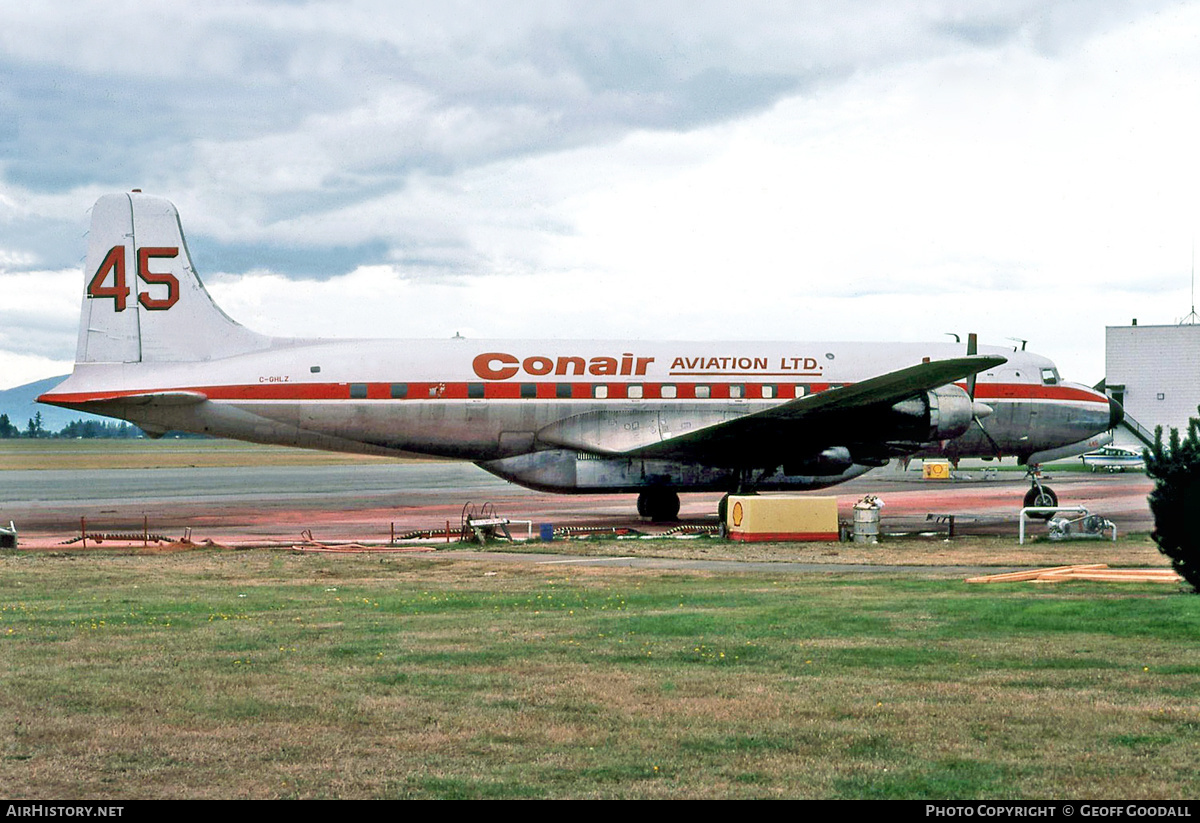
114	262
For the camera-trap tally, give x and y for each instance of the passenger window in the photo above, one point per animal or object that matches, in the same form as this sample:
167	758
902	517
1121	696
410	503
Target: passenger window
562	390
528	390
358	391
703	392
635	391
668	391
600	392
399	391
475	391
768	392
735	391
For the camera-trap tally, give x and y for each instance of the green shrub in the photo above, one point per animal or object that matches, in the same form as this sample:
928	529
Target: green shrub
1175	500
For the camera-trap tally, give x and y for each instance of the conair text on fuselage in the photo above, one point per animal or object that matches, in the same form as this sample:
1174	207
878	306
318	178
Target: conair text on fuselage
502	365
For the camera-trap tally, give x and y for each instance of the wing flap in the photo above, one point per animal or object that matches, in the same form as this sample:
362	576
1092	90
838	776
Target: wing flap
625	431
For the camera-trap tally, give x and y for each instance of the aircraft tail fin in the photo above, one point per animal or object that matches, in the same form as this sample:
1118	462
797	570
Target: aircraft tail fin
142	300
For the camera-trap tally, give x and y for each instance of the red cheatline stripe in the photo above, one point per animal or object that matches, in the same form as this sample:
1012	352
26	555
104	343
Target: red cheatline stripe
513	390
1007	391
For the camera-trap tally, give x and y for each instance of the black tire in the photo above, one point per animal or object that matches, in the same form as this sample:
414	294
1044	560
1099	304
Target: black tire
659	505
723	508
1044	496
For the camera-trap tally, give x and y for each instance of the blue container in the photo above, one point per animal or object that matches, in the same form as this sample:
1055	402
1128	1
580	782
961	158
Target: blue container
546	532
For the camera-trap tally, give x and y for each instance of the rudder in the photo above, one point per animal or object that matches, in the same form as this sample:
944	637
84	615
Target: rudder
142	300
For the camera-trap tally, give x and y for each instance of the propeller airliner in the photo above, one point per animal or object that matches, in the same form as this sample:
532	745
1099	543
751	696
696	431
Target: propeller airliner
571	416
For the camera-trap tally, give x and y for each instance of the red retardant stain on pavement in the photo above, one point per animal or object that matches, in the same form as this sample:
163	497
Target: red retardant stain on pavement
333	514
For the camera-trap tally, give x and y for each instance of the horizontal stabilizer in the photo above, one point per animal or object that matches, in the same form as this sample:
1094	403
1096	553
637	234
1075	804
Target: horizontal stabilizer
158	398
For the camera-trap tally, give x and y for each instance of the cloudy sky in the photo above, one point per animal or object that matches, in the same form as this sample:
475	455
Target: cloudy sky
657	170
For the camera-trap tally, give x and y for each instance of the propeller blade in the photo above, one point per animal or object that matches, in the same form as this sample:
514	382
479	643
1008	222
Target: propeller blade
972	348
980	410
990	439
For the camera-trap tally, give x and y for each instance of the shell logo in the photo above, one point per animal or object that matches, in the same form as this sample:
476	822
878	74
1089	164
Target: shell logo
737	513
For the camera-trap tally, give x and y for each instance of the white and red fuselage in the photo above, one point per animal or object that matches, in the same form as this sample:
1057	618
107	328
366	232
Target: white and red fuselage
571	416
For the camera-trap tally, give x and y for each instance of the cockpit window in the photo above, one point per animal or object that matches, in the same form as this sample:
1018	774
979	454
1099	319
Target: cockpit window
1050	377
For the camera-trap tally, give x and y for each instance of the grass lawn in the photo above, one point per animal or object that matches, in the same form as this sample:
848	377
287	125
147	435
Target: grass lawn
271	674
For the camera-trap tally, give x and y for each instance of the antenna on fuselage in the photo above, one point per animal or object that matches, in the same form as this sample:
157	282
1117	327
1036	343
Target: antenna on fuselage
1191	318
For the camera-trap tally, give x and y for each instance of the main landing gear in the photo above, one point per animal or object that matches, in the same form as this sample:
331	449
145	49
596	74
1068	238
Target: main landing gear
1039	495
658	504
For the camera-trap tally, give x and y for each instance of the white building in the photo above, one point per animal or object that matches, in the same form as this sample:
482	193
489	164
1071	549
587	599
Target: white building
1154	372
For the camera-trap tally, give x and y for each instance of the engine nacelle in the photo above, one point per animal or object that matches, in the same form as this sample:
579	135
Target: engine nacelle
833	460
939	414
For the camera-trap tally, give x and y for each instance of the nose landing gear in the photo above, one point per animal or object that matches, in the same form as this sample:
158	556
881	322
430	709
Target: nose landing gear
1039	495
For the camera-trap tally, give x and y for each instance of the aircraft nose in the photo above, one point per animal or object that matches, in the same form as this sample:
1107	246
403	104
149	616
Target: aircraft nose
1115	413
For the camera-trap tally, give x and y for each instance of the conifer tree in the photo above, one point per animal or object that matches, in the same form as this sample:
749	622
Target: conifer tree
1175	500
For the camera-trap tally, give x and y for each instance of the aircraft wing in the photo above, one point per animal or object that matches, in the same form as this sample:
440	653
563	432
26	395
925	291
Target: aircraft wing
885	389
882	416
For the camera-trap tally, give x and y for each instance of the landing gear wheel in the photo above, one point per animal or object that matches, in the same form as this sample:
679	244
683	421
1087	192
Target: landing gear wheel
723	508
1041	496
660	505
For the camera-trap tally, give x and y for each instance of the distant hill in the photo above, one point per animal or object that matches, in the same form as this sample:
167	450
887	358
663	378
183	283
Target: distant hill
20	404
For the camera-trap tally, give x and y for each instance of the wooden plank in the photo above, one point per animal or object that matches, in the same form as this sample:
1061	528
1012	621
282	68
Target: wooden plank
1116	576
1031	574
